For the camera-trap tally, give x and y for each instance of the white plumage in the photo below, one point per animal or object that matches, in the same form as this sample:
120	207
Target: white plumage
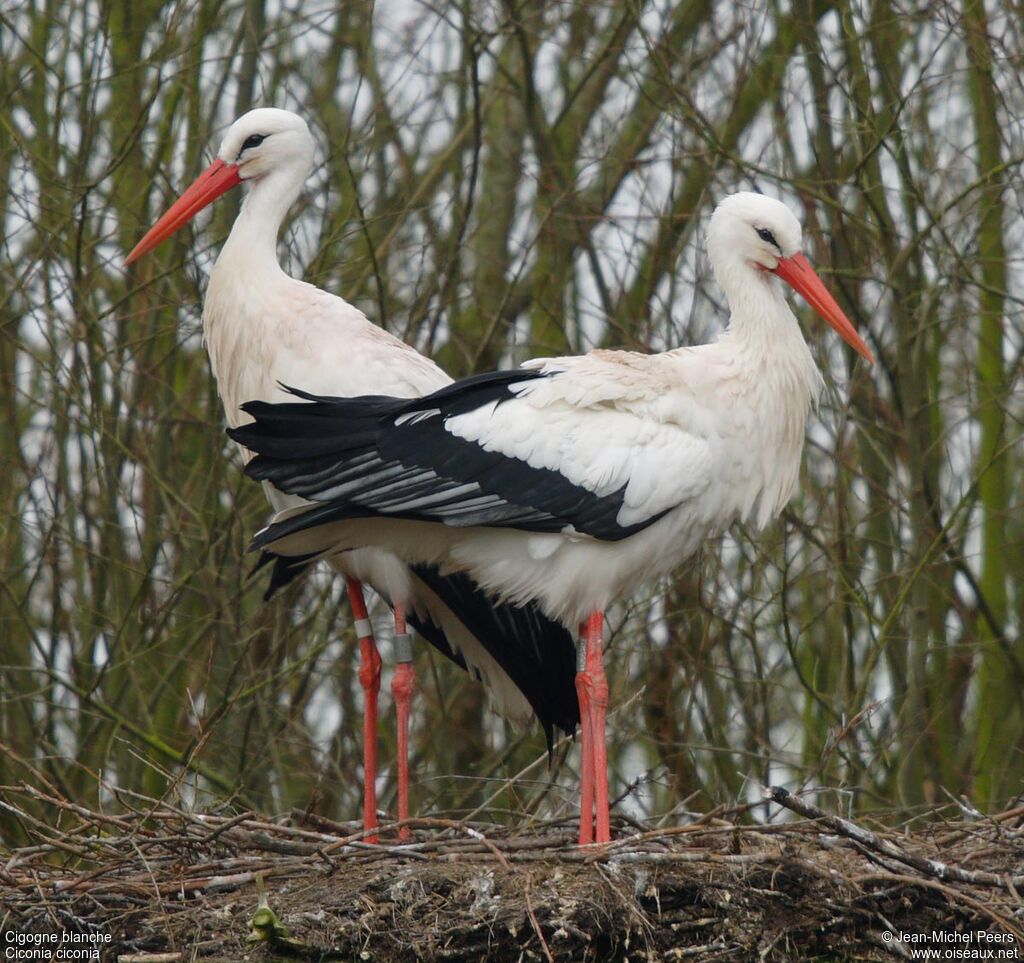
263	328
595	473
705	435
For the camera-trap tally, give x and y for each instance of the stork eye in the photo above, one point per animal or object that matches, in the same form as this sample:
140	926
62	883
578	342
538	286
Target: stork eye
253	140
767	236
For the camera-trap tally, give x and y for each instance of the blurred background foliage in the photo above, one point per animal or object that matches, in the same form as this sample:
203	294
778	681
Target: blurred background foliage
496	181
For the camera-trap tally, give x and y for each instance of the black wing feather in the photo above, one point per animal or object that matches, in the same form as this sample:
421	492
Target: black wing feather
374	456
536	653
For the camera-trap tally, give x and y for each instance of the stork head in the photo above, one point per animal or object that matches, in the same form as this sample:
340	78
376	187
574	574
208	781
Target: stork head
754	233
755	228
264	142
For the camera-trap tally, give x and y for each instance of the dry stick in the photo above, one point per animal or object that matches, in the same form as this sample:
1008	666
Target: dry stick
228	824
697	826
700	856
242	830
264	826
991	821
150	957
80	811
457	826
951	894
176	887
865	837
533	920
250	833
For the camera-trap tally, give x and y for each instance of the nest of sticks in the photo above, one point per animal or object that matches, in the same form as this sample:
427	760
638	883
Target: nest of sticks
163	885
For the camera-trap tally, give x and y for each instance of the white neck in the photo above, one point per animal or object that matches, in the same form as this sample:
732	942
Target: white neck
777	379
253	238
761	323
248	294
764	331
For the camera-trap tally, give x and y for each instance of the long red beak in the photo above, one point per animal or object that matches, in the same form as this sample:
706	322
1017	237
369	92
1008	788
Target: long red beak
797	272
207	187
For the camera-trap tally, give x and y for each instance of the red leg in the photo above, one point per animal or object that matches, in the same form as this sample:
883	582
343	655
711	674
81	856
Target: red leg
586	743
403	684
369	678
596	685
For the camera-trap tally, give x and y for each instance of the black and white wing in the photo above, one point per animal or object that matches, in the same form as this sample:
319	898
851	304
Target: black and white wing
537	450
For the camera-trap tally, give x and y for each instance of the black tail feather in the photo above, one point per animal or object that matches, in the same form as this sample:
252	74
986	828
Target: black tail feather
536	653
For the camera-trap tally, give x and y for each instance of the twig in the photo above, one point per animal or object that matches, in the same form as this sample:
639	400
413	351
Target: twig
954	896
533	921
150	957
865	837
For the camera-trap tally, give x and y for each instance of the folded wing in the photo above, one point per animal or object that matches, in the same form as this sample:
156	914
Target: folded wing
520	449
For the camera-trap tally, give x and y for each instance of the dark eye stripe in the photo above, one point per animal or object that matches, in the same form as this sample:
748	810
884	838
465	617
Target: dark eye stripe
253	140
767	236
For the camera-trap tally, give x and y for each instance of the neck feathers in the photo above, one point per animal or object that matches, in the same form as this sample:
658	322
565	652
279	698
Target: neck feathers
782	382
252	243
761	324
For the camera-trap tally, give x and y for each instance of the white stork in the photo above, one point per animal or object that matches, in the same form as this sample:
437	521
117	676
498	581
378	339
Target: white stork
263	328
573	480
